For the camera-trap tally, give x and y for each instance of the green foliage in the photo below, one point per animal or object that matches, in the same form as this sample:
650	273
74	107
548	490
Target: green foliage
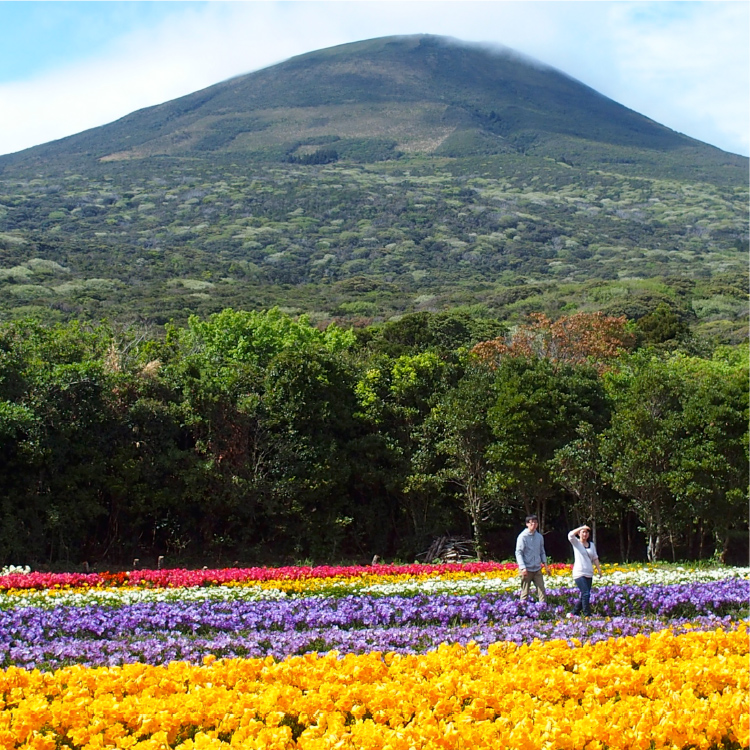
662	326
677	445
463	440
713	460
259	436
233	337
539	408
445	331
578	467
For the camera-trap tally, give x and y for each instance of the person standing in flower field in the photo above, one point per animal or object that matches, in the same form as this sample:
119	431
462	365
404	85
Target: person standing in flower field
586	558
530	556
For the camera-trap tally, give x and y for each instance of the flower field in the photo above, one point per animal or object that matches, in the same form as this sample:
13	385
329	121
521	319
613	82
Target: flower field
373	657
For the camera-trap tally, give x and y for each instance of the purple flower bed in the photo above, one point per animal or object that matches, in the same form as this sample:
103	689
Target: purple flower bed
161	648
101	621
155	632
674	600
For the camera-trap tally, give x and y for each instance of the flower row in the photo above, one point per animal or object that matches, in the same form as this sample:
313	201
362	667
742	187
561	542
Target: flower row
174	577
660	691
163	648
261	583
633	575
680	600
154	632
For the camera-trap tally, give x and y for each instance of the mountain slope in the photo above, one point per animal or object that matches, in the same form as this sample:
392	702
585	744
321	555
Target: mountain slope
373	179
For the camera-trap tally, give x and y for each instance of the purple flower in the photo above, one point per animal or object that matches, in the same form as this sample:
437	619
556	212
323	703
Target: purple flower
155	632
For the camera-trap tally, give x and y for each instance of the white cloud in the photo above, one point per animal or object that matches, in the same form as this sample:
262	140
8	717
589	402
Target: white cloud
687	70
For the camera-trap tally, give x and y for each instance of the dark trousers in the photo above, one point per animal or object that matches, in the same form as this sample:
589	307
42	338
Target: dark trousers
583	604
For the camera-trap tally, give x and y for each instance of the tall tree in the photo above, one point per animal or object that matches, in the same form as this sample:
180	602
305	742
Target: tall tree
461	438
395	399
539	407
712	477
643	444
577	466
265	400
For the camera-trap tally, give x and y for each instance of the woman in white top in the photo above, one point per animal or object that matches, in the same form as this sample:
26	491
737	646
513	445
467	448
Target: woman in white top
585	560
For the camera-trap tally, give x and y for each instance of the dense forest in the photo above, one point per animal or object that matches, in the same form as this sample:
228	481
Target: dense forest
258	437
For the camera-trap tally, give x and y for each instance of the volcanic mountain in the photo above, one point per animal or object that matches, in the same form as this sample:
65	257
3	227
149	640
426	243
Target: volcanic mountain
374	179
375	99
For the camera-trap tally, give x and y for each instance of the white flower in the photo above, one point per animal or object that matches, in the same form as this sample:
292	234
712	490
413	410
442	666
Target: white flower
15	569
638	575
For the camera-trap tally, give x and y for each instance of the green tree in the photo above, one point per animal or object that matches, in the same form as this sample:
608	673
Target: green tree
62	430
662	327
461	438
577	466
643	444
268	403
395	398
712	477
539	407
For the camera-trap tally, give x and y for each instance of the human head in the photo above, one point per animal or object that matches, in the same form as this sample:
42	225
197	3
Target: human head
585	533
532	523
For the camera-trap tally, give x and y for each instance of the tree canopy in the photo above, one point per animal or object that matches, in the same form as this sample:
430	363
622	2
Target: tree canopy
261	437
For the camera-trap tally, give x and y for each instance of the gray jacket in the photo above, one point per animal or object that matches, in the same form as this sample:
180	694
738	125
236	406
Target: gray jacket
530	552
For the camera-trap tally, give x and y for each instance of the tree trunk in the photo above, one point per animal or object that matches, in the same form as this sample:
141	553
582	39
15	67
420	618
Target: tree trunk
475	511
478	541
722	544
654	545
655	540
629	528
701	540
527	505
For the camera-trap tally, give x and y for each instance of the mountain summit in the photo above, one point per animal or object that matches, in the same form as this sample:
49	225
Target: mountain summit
375	99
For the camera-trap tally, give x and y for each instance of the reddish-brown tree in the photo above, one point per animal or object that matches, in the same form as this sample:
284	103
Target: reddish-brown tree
592	338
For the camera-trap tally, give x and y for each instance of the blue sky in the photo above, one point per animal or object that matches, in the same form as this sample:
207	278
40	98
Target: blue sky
68	66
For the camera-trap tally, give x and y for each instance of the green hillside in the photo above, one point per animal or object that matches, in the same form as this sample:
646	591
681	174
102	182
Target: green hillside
373	179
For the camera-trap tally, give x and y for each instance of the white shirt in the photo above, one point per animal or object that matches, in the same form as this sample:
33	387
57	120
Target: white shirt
583	562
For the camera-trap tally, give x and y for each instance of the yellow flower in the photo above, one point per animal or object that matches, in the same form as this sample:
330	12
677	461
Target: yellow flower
687	690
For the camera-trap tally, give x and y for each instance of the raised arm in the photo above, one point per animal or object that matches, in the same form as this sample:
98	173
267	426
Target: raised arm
576	532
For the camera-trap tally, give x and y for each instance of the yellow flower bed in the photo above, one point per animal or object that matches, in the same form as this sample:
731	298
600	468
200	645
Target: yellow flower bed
661	691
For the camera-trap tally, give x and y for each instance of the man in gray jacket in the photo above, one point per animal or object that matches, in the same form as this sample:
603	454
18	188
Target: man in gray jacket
531	556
